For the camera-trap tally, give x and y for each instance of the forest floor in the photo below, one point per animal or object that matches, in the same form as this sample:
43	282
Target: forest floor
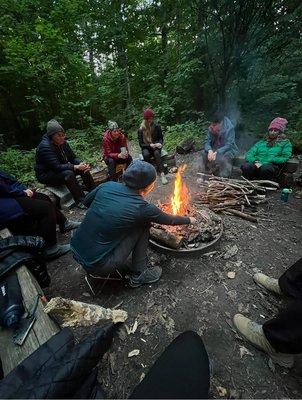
196	294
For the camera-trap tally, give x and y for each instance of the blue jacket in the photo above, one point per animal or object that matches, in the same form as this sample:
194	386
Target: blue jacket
227	144
53	158
10	188
115	211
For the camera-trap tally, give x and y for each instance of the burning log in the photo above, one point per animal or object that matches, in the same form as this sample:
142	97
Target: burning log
166	237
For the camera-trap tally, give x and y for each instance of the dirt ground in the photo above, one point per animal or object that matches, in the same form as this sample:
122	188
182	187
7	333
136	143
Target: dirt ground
196	294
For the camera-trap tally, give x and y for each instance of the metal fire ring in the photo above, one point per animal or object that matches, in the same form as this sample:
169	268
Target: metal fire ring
203	248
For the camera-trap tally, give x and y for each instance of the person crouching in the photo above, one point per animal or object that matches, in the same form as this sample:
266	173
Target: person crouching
117	225
115	149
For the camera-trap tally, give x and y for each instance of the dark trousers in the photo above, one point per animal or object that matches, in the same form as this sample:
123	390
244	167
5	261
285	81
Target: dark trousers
181	372
39	219
69	179
135	243
222	166
266	171
111	163
149	153
284	332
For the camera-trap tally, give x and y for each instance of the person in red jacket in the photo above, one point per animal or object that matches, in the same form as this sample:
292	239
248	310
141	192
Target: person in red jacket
115	149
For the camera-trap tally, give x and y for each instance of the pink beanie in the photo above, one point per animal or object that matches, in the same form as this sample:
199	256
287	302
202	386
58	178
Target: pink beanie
148	113
278	123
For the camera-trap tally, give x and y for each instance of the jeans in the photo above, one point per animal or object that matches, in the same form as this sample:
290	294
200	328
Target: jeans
111	163
222	166
69	179
135	243
267	171
148	153
40	218
284	332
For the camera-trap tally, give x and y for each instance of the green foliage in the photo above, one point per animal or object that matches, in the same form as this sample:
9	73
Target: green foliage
175	134
19	164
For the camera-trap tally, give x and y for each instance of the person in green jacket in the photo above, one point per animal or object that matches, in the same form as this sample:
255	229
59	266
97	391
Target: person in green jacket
266	158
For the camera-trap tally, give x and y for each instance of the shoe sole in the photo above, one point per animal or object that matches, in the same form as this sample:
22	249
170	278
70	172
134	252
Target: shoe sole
135	285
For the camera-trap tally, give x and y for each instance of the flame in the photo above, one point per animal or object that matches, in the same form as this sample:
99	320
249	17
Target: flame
181	196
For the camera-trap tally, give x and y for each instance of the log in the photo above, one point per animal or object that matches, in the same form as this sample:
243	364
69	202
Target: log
165	237
76	313
242	215
43	329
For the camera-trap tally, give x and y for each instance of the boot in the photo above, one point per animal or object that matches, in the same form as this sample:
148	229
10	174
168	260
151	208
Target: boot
56	251
253	332
164	180
268	283
69	226
149	275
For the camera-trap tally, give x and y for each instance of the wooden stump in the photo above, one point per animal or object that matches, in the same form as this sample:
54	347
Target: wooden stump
43	329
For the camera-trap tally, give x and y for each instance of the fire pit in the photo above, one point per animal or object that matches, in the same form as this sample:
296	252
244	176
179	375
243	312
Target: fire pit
186	239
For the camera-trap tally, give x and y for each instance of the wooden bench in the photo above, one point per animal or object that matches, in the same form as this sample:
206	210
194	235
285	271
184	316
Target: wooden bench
43	329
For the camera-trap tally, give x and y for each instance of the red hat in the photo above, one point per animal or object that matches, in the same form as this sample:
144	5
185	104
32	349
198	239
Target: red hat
278	124
148	113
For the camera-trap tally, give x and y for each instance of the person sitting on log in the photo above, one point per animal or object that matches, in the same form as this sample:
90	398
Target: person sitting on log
115	149
281	336
150	139
56	163
267	157
117	225
220	147
26	212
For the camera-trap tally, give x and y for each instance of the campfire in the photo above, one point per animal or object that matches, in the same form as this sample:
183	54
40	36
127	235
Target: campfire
207	229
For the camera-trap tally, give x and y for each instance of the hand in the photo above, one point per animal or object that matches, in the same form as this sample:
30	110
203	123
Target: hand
214	156
258	164
158	145
123	155
153	145
193	221
29	193
211	155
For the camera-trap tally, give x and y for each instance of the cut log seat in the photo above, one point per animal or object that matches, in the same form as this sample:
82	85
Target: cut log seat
43	329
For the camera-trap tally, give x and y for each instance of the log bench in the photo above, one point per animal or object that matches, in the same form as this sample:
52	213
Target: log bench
43	329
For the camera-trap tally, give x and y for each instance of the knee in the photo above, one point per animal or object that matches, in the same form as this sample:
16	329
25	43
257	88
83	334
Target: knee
68	175
157	153
146	154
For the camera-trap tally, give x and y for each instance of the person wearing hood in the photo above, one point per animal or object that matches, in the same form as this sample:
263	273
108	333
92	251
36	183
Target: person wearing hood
150	139
115	149
267	157
56	163
220	147
117	225
26	212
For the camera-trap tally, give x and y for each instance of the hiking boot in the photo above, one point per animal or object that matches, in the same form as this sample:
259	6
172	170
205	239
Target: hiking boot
253	332
149	275
69	226
56	251
268	283
164	180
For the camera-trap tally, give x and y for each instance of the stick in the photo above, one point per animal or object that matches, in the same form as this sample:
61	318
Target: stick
242	215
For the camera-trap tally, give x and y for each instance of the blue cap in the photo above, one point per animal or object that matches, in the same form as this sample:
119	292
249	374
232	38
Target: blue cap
139	175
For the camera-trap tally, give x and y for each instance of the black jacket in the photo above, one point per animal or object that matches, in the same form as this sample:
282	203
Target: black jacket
53	158
157	136
60	369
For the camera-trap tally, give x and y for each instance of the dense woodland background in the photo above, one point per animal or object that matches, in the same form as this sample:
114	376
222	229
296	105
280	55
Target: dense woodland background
87	61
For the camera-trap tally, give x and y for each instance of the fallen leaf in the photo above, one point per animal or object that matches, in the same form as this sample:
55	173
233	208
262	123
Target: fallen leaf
133	353
231	252
231	274
244	352
222	392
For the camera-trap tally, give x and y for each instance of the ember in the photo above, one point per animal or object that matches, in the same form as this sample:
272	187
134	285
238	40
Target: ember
208	226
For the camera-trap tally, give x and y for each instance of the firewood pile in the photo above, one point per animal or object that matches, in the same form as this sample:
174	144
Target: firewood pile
207	229
238	197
